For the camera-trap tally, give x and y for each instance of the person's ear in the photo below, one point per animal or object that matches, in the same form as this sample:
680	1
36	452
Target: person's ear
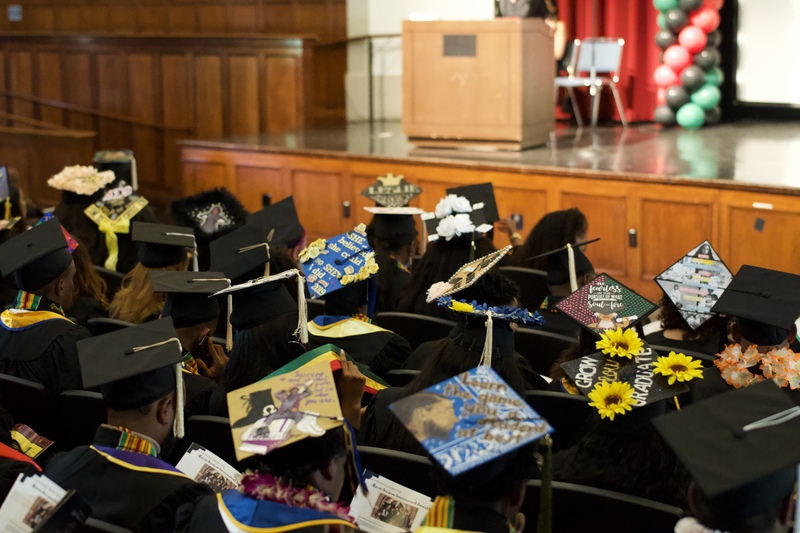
165	410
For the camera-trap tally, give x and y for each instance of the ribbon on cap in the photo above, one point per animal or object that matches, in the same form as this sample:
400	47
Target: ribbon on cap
177	425
195	267
573	280
486	355
774	420
109	228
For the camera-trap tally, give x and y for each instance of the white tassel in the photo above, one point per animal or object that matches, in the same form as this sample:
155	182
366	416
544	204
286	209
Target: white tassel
302	311
134	175
573	280
195	266
179	401
486	355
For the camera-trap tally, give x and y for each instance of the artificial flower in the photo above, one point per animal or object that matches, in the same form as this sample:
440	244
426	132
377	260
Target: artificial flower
313	250
437	290
79	179
612	398
268	487
461	307
454	226
620	343
781	365
452	204
678	367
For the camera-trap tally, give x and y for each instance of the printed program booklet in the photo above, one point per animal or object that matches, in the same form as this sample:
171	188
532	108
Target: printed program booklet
207	468
36	503
389	507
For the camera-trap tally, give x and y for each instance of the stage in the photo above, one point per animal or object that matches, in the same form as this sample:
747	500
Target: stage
650	194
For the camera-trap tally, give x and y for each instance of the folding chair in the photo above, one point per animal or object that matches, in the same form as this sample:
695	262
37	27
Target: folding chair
532	284
416	329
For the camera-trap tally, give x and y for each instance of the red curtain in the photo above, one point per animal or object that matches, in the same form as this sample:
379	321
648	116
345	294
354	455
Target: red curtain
634	21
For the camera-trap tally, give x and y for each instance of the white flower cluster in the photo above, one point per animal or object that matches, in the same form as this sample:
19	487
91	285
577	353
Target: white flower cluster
79	179
452	204
455	226
437	290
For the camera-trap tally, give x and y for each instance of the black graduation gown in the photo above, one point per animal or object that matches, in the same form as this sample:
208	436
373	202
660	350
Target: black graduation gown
127	489
380	428
198	394
709	347
556	322
45	353
10	468
85	308
480	518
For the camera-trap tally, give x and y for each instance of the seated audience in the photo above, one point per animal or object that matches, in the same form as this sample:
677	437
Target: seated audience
553	231
392	237
90	299
281	227
12	461
676	333
559	285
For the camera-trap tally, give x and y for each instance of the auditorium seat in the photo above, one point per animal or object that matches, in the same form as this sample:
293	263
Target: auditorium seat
541	348
112	278
416	329
567	413
401	377
101	326
212	433
578	509
80	414
93	525
407	469
29	403
532	284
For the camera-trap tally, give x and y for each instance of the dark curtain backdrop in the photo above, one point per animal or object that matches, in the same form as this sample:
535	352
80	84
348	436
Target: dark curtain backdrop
634	21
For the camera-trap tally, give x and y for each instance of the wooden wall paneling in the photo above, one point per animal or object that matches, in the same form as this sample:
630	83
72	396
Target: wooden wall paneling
176	98
330	67
208	96
78	88
210	18
242	18
530	203
244	100
95	16
5	103
182	19
319	191
283	89
42	20
20	64
50	85
114	97
278	16
68	19
255	181
312	16
152	18
144	105
202	176
122	17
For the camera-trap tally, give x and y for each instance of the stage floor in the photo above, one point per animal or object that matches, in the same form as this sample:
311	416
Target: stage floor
755	153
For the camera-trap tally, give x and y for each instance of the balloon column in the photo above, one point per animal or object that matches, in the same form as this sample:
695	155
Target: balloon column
689	76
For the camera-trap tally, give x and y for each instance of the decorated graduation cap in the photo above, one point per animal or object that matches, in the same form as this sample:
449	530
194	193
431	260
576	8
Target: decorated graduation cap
392	191
283	409
695	283
121	163
566	263
740	448
762	296
209	212
261	300
337	262
81	184
135	366
163	245
469	420
187	301
481	193
605	303
455	217
242	254
279	222
37	256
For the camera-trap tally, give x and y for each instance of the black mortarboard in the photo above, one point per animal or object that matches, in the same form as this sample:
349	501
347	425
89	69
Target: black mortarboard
161	244
209	212
120	162
188	302
135	365
279	222
392	191
762	295
37	256
397	230
740	447
482	193
241	254
558	270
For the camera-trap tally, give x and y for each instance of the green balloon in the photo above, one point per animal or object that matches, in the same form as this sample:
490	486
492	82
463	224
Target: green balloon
704	168
662	21
715	76
666	5
691	116
707	97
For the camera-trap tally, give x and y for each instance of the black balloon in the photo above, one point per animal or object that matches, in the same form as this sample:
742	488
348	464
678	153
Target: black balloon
714	39
713	116
690	5
665	39
676	96
665	116
693	78
677	19
707	58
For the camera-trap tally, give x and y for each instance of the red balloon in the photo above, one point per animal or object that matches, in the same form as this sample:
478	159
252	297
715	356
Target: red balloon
677	57
692	38
713	4
705	18
664	76
661	96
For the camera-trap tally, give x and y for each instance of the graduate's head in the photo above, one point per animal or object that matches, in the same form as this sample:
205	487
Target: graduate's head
766	336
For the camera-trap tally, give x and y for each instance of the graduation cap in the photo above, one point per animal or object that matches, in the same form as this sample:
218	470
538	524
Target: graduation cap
187	301
762	296
605	303
481	193
469	420
81	184
242	254
284	409
565	263
135	366
36	257
121	163
455	217
397	229
279	222
71	242
261	300
740	448
392	191
695	282
209	212
337	262
163	245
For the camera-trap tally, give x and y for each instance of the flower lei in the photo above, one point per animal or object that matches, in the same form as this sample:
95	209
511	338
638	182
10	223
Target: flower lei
781	365
506	312
84	180
267	487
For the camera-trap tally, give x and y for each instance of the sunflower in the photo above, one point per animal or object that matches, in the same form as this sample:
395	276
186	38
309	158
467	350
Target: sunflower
678	367
620	343
611	398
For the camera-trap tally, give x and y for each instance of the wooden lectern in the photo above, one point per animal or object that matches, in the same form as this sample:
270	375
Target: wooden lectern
478	84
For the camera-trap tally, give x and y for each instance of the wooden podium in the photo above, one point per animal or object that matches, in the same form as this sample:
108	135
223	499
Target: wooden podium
478	84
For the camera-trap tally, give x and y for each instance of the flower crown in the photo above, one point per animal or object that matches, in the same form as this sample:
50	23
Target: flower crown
79	179
505	312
